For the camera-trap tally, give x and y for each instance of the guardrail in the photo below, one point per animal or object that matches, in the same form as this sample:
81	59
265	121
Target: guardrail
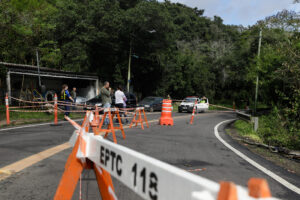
243	116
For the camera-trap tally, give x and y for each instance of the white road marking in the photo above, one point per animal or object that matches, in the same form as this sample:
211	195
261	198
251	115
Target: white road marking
255	164
34	125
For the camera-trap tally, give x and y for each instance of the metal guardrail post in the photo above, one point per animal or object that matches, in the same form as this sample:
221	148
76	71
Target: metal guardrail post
249	118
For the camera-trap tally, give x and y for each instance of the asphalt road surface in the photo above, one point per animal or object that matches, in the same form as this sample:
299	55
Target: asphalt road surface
190	147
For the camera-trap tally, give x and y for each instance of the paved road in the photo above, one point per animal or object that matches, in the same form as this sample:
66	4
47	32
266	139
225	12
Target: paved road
185	146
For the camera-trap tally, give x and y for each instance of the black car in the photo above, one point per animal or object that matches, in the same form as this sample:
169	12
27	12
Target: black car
151	103
97	101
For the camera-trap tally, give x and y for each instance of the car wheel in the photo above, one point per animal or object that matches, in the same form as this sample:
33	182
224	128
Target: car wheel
151	110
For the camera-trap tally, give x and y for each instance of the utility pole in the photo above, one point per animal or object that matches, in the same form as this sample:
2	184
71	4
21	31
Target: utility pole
38	66
129	66
130	55
257	78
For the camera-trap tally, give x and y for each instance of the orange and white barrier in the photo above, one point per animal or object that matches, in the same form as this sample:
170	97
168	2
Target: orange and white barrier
141	120
149	178
110	113
166	113
77	162
7	109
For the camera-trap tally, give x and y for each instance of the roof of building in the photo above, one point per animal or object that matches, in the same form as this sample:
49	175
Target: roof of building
45	71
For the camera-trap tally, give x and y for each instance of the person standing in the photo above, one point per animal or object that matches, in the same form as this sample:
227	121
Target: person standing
74	95
106	98
66	97
120	99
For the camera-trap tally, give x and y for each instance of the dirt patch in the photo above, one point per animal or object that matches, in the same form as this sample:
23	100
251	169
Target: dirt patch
291	165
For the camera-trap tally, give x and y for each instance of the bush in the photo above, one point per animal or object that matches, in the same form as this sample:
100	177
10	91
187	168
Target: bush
273	131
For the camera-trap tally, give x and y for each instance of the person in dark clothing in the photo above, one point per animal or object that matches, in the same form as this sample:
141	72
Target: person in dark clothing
106	98
66	97
74	95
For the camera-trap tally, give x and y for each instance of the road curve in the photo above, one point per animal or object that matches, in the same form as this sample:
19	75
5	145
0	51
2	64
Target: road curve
191	147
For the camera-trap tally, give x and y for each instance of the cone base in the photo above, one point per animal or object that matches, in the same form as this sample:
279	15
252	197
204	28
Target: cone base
55	124
166	122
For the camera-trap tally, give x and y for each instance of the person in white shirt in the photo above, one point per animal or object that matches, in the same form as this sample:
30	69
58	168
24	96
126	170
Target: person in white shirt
120	99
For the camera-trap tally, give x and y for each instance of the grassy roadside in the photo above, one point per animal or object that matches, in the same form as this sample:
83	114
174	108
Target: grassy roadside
245	129
21	118
242	131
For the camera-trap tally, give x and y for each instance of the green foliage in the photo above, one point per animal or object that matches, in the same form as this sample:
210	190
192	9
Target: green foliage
246	130
175	49
273	131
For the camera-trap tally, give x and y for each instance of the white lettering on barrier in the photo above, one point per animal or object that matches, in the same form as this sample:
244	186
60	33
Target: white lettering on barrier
150	178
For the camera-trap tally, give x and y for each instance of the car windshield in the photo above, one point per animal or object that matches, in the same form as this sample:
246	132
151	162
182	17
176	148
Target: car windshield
190	100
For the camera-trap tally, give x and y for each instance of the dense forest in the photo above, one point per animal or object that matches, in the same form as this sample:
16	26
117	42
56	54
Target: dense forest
176	49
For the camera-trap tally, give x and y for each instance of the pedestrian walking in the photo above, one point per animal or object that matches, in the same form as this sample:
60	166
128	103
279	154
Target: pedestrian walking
106	98
66	97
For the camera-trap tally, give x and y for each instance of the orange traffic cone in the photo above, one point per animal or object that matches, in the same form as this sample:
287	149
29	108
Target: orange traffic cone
55	112
7	109
166	113
193	114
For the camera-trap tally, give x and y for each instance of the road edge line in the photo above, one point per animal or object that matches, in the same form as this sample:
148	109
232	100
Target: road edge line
253	163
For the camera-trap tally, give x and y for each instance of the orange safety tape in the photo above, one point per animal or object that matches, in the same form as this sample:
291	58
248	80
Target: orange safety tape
37	106
29	111
37	102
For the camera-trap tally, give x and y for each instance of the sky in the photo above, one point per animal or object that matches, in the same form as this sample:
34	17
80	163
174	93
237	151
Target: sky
241	12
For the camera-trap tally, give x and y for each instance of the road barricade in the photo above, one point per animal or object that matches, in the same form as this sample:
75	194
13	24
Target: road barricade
166	113
141	118
110	113
149	178
77	162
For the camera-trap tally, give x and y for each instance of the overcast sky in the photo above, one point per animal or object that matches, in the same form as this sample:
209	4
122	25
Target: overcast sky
245	12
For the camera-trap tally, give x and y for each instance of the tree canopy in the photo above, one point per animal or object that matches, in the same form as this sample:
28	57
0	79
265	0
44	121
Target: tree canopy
176	50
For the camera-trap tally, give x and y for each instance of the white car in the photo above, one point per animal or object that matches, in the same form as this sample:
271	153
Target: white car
187	104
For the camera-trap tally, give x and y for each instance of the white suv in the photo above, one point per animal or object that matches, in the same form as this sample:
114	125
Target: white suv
187	104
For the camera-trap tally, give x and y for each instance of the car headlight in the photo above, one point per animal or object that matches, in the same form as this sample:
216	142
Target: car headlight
147	106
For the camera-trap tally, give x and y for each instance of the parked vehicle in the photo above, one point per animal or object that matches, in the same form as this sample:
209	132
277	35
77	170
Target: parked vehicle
97	101
80	100
151	103
188	103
